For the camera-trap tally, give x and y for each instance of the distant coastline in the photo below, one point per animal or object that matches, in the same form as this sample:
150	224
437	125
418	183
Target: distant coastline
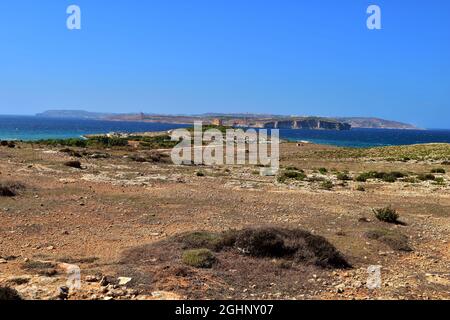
31	128
241	120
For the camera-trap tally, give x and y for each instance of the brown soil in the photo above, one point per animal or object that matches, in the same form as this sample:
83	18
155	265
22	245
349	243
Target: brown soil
118	217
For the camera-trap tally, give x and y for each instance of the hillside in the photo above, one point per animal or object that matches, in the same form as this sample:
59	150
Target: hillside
375	123
241	120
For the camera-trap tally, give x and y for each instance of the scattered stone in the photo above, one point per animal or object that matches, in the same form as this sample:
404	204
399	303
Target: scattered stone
124	280
92	279
63	293
340	288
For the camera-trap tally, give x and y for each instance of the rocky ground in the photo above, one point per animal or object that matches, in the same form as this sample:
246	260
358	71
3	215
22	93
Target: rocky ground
116	219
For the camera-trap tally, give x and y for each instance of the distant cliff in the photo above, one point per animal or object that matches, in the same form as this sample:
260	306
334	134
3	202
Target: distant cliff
74	114
308	123
375	123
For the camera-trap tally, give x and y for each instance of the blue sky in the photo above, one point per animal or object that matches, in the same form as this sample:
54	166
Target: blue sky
266	56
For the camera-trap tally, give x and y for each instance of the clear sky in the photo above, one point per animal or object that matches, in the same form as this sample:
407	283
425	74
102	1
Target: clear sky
262	56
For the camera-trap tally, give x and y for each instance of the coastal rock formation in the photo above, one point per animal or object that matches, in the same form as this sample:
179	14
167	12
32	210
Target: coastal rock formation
308	123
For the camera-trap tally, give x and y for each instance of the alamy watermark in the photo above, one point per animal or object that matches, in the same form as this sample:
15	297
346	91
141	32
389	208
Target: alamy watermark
74	20
374	20
230	147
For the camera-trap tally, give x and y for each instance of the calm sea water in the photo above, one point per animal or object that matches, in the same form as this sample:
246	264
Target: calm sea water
368	137
34	128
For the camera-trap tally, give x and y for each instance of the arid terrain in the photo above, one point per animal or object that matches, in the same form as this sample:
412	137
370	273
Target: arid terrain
129	219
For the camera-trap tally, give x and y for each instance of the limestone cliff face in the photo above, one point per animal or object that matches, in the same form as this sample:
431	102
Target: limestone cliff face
311	124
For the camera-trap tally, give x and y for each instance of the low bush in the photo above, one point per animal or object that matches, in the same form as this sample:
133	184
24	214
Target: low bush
9	294
201	239
107	141
387	214
10	188
393	239
326	185
323	170
199	258
81	143
363	177
298	245
343	177
385	176
438	170
289	244
316	179
43	268
411	180
73	164
439	181
426	177
260	243
360	188
290	174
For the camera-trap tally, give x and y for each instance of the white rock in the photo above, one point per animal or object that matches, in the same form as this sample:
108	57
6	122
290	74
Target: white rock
123	280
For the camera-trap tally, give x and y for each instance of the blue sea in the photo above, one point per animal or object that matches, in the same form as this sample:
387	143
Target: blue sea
35	128
29	128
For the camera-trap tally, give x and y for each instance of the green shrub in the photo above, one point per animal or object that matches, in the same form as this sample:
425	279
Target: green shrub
426	177
389	178
199	258
363	177
411	180
439	181
201	239
387	214
200	174
289	174
105	141
323	170
73	142
385	176
398	174
326	185
438	170
343	177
